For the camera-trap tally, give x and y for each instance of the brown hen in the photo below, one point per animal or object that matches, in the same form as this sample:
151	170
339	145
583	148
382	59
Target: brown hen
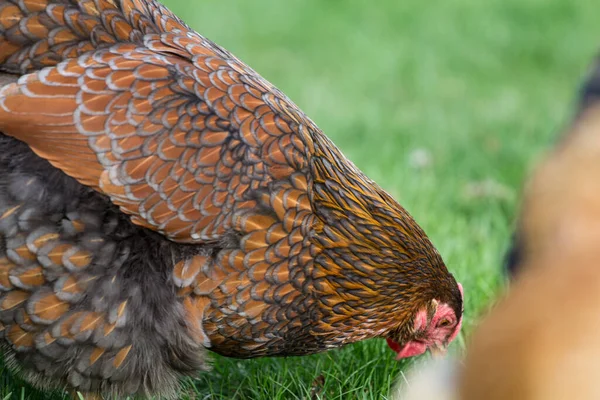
541	341
159	198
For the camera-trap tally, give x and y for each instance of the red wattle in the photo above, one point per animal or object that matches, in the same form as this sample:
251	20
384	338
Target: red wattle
393	345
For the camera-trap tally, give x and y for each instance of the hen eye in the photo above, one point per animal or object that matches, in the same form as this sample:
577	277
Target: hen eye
443	323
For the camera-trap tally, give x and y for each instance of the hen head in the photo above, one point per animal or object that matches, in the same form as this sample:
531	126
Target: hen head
434	328
377	273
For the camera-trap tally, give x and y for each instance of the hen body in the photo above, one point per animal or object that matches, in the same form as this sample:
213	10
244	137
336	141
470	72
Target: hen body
159	198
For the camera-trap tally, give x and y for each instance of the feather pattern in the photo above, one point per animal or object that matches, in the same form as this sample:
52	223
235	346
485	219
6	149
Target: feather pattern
177	201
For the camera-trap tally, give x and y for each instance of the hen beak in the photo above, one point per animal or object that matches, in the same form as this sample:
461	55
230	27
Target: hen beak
438	350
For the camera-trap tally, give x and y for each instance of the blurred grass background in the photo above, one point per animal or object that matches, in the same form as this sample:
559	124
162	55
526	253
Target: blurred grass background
446	104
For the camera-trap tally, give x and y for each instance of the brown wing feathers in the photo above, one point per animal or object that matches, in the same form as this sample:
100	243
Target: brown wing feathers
143	129
41	33
177	133
245	293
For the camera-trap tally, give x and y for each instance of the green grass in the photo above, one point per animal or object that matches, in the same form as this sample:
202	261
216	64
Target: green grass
480	87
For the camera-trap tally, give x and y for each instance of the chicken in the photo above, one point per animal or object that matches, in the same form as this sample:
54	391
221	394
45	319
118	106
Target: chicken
159	198
588	99
541	342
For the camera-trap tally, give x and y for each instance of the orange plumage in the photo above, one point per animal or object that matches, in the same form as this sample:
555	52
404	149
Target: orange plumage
188	192
540	342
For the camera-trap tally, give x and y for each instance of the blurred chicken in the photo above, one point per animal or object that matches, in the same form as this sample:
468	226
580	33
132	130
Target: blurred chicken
541	341
159	198
588	99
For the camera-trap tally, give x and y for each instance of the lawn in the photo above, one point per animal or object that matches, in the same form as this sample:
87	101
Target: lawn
447	105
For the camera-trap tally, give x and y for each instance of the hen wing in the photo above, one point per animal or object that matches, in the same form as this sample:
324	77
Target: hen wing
185	139
177	133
